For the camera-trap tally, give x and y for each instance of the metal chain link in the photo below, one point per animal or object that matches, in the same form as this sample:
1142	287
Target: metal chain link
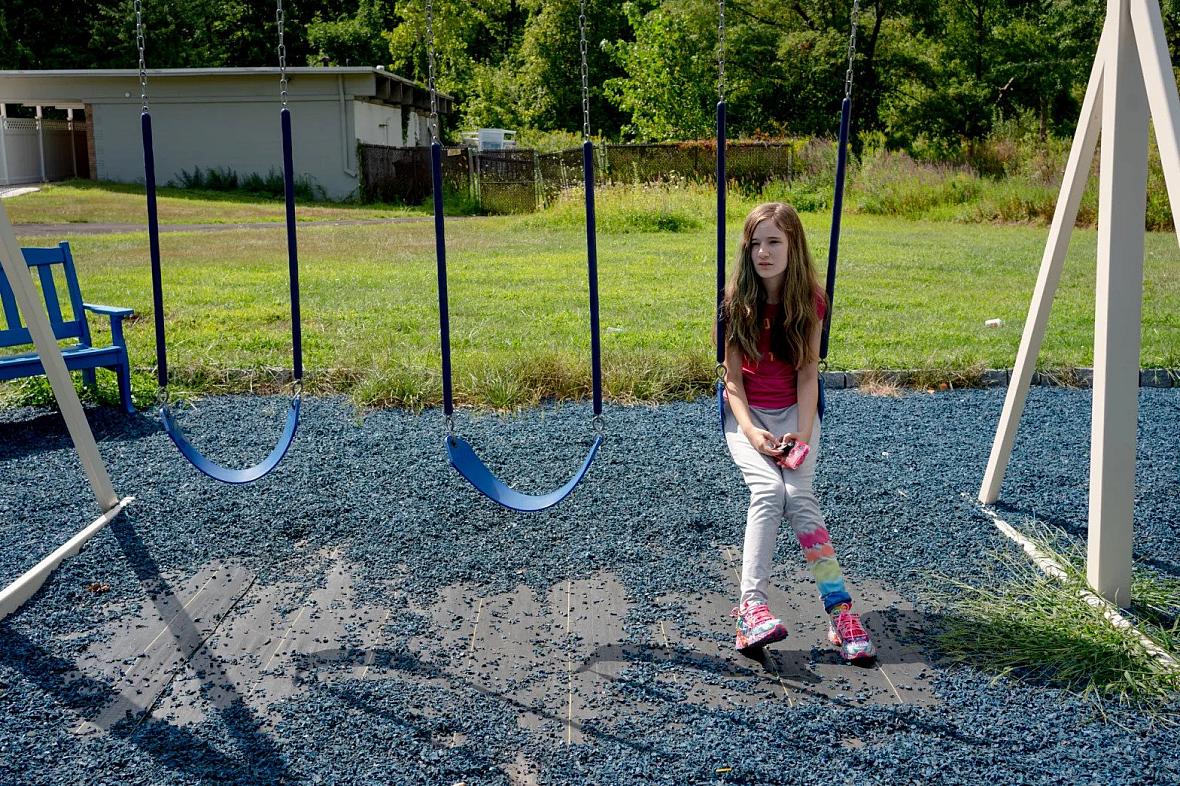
141	43
720	50
282	54
851	49
585	73
433	122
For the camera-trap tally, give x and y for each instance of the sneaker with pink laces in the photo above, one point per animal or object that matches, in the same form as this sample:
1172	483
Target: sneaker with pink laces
846	632
756	626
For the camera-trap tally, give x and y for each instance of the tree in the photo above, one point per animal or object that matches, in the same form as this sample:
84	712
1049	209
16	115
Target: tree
670	70
547	67
358	39
32	35
469	36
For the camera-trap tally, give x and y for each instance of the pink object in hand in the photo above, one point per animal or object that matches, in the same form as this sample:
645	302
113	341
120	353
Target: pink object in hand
796	455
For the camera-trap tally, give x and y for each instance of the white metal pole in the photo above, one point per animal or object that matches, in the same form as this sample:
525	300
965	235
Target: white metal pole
1073	186
13	263
1122	207
41	143
73	144
16	593
3	146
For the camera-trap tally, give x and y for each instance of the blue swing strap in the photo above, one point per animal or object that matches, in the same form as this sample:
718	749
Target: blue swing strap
833	248
837	210
722	186
462	456
210	468
838	198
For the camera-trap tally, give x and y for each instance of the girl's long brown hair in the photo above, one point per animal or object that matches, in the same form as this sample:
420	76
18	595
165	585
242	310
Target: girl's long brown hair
745	295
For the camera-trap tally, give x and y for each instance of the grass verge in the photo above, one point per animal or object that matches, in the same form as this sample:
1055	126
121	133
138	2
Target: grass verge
1029	626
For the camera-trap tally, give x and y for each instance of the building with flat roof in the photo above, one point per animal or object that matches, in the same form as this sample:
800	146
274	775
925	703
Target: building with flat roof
207	118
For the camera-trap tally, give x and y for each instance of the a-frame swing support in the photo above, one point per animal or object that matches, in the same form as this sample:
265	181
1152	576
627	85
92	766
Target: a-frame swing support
1131	81
13	263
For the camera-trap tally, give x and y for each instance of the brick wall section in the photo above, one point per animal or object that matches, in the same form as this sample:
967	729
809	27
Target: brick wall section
90	155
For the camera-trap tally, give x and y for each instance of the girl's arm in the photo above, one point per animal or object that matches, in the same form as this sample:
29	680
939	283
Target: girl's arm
807	389
760	438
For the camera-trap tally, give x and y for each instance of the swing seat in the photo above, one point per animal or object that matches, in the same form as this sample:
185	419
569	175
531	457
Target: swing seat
469	465
226	474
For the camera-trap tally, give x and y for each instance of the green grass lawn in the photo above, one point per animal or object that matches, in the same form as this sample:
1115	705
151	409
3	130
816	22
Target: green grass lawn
911	295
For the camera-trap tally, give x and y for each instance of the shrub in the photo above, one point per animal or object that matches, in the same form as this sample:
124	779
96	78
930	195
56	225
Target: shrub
268	185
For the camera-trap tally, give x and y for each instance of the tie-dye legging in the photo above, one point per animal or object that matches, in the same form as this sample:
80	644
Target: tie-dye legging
777	494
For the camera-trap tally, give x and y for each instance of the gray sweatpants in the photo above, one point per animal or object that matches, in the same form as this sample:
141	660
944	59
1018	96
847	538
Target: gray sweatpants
777	493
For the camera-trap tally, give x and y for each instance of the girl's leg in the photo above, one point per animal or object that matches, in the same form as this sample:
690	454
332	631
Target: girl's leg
767	497
801	508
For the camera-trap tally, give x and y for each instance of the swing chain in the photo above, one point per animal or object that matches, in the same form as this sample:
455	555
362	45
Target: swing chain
721	50
450	421
599	424
141	42
433	122
851	49
282	53
163	399
722	376
585	73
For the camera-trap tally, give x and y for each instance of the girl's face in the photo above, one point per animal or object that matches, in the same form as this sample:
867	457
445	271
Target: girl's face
768	251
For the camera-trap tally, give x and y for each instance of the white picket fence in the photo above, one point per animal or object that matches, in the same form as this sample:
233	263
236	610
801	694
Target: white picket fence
37	150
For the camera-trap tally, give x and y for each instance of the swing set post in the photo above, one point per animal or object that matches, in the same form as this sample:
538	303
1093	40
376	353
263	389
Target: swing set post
1131	82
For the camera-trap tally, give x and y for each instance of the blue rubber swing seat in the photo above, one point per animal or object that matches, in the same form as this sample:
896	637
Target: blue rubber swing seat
173	429
462	457
459	451
228	474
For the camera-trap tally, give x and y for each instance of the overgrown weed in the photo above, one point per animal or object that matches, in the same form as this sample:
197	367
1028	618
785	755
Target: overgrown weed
1023	624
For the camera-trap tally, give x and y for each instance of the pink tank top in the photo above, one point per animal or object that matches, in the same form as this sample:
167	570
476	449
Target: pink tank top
770	382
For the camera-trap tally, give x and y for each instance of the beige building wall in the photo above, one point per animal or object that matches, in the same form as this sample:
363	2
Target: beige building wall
217	120
378	124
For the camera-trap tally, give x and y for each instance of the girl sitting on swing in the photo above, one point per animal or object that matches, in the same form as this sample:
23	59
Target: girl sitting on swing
774	309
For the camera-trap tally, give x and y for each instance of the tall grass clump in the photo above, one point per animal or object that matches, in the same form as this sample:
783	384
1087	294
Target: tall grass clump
1011	176
893	184
1026	625
671	206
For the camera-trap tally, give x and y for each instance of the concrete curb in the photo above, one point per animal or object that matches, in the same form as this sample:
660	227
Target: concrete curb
1080	377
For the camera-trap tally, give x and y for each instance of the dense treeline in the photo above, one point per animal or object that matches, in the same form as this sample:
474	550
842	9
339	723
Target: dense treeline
938	74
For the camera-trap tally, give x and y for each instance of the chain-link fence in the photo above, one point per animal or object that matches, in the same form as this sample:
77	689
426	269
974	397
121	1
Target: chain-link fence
521	181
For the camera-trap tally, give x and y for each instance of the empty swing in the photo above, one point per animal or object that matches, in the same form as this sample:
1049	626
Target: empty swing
837	209
460	453
187	449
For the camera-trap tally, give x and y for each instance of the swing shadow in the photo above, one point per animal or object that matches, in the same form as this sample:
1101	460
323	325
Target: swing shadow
176	748
908	629
408	663
46	431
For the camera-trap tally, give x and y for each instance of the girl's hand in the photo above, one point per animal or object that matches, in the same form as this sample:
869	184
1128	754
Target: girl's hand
763	441
796	436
